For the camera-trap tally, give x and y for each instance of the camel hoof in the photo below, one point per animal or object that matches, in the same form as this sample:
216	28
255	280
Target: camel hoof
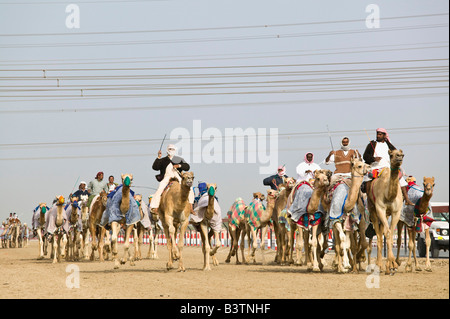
181	269
238	263
418	268
123	262
316	269
428	269
227	261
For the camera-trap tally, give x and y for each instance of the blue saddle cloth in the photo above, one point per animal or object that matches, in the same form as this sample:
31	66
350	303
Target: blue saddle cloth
112	212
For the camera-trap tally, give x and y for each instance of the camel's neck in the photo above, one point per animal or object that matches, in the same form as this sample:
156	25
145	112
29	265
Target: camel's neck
210	209
424	202
74	215
59	215
353	192
125	204
394	184
315	199
183	198
41	219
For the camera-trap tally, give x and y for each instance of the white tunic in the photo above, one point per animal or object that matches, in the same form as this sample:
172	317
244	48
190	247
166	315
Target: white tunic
302	168
381	150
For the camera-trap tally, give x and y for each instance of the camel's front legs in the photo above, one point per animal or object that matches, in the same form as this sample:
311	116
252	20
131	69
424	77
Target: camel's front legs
41	244
126	247
315	249
232	252
216	247
181	244
428	245
205	246
115	226
254	244
263	242
308	259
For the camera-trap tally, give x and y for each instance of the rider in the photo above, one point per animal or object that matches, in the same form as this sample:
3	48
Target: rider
275	180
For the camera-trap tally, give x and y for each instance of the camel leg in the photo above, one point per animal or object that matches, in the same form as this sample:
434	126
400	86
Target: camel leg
62	244
181	245
291	245
393	266
169	247
314	248
307	250
41	244
412	250
343	246
216	247
205	246
150	243
94	243
54	248
263	242
299	246
399	244
115	232
276	229
254	244
428	244
232	246
126	247
337	264
242	246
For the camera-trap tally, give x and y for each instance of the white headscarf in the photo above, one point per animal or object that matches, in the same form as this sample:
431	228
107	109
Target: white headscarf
171	150
345	148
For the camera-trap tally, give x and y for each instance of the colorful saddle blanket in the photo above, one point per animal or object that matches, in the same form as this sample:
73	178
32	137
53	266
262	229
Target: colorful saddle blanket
113	214
253	213
411	216
307	220
236	213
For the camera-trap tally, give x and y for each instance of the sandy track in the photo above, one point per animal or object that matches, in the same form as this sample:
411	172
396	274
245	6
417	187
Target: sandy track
23	276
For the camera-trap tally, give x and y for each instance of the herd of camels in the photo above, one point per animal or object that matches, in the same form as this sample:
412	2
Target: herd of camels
67	230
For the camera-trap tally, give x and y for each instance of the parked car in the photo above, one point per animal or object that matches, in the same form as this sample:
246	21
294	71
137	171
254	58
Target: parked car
439	232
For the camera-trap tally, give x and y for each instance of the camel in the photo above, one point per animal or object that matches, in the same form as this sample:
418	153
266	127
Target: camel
208	216
3	234
38	224
127	215
385	199
346	210
410	214
142	226
279	221
174	210
155	229
85	226
73	229
54	222
259	218
315	241
236	226
96	210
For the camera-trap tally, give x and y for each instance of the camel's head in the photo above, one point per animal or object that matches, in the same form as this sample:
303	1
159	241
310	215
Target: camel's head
103	197
290	182
43	207
84	200
138	198
428	185
259	196
59	200
396	157
322	177
187	178
272	194
212	188
127	179
359	168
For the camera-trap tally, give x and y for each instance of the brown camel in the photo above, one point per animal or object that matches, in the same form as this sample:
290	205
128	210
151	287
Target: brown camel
97	208
422	207
282	234
73	230
314	240
39	228
260	222
54	221
209	222
174	210
141	227
127	179
346	239
385	199
85	226
236	226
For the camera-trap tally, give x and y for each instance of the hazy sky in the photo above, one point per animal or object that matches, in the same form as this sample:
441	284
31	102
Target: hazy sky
136	70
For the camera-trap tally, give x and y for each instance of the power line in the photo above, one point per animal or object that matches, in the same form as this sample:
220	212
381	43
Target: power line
282	135
203	57
250	104
235	38
263	26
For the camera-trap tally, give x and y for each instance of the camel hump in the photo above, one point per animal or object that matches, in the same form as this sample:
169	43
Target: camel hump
173	179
